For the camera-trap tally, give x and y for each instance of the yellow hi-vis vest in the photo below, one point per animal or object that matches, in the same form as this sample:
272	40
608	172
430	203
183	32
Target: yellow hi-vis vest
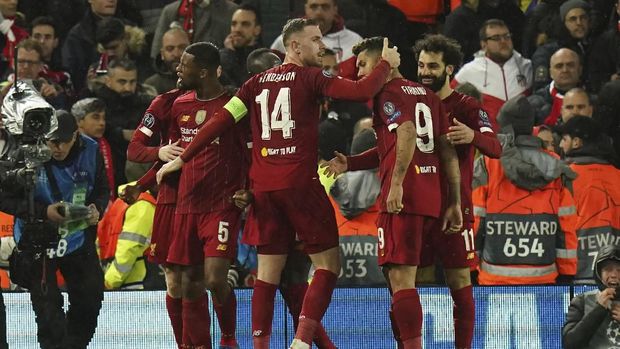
123	236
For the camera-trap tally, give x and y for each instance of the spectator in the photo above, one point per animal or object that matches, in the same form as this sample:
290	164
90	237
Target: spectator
542	24
244	37
30	67
44	31
594	314
576	102
90	116
65	13
75	175
463	22
344	113
536	201
115	40
607	110
605	65
125	104
545	133
335	36
123	236
11	29
203	20
574	34
565	68
502	73
596	190
80	48
174	41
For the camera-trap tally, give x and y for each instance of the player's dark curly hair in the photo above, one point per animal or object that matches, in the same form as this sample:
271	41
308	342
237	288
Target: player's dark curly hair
437	43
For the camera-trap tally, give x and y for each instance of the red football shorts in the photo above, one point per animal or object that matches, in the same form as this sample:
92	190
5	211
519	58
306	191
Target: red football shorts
400	237
453	250
277	217
201	235
163	223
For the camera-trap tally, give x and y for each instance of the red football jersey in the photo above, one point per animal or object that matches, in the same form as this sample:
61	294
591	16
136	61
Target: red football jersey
156	122
466	110
284	118
209	180
399	101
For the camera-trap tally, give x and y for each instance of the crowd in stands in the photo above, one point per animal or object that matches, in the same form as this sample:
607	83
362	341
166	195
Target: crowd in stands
556	61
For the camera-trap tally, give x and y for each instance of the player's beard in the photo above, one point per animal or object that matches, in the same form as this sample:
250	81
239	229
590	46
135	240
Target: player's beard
437	83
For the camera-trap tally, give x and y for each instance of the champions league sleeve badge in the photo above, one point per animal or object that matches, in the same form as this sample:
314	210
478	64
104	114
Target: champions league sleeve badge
389	108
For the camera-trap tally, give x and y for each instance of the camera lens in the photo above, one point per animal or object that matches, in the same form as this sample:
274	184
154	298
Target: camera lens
37	122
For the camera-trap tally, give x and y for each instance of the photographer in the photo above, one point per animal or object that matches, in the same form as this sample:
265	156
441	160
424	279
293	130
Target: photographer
75	175
593	319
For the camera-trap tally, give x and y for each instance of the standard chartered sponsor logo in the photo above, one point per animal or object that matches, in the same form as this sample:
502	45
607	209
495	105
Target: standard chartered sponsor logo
521	228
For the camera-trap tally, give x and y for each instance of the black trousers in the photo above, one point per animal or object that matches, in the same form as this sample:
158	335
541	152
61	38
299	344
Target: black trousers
84	281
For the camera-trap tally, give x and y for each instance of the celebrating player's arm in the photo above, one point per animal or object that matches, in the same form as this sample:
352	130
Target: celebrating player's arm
237	108
453	217
484	139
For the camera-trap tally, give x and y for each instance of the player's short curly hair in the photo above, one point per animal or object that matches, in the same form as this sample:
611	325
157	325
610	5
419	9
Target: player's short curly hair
295	25
437	43
206	55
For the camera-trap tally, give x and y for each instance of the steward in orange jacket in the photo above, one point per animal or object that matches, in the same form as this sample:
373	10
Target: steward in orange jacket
596	189
524	212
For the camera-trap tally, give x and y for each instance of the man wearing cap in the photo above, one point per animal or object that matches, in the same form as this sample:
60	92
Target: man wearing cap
575	34
534	203
75	175
590	154
593	318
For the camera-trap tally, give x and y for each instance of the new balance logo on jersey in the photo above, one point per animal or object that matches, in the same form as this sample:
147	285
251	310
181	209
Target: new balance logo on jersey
222	247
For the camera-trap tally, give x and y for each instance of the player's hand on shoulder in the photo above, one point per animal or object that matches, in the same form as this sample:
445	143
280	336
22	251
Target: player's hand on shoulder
452	219
390	54
336	166
243	198
460	133
169	152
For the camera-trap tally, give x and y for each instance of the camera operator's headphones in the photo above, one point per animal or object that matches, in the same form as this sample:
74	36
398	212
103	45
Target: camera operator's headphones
606	253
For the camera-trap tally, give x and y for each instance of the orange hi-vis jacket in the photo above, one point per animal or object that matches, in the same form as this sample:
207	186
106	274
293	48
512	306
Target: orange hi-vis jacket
425	11
522	236
597	198
6	229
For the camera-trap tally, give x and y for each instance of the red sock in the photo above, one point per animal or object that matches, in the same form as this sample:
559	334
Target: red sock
227	318
294	297
196	322
262	313
174	306
464	313
408	315
395	330
317	299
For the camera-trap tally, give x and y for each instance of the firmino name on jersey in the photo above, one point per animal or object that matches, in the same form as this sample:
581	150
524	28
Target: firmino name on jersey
412	90
274	77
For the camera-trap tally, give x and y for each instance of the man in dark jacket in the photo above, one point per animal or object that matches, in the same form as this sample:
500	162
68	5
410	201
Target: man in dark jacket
125	105
80	47
165	79
574	34
593	318
244	37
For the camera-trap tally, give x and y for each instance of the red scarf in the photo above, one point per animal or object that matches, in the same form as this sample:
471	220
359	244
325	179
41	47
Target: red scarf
106	153
186	13
556	107
9	48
